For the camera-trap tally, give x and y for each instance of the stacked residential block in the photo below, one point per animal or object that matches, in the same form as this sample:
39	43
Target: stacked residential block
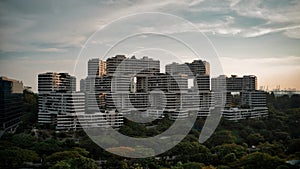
120	86
58	100
251	102
137	85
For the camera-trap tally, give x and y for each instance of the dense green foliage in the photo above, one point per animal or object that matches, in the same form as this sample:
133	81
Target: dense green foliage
252	143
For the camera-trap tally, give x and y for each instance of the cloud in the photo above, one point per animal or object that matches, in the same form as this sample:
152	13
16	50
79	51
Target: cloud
70	24
260	9
55	29
293	33
221	27
195	2
275	14
53	50
24	26
290	31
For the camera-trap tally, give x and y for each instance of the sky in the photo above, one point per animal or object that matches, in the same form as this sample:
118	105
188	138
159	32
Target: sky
238	37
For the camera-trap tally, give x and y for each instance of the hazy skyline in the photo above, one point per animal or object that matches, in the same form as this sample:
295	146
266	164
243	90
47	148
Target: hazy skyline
251	37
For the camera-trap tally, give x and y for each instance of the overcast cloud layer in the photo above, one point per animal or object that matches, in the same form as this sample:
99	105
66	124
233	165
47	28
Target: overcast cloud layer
251	37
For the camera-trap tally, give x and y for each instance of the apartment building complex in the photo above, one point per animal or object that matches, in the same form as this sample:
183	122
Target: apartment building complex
121	86
137	85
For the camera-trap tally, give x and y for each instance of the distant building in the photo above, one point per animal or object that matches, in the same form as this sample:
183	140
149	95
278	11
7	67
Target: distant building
95	90
96	67
197	67
234	83
82	85
290	93
11	103
121	86
113	63
73	83
96	86
59	109
199	71
254	98
203	82
56	82
149	81
124	65
58	100
176	68
102	68
236	114
100	120
252	101
219	83
249	83
253	105
207	67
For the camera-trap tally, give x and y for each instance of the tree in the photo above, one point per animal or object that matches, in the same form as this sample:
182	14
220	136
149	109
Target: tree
293	122
255	138
94	150
294	146
62	155
190	151
76	163
14	157
295	101
208	167
282	102
224	150
74	158
192	165
177	166
48	147
272	149
83	163
30	108
23	140
221	137
229	158
133	129
61	165
259	160
114	163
